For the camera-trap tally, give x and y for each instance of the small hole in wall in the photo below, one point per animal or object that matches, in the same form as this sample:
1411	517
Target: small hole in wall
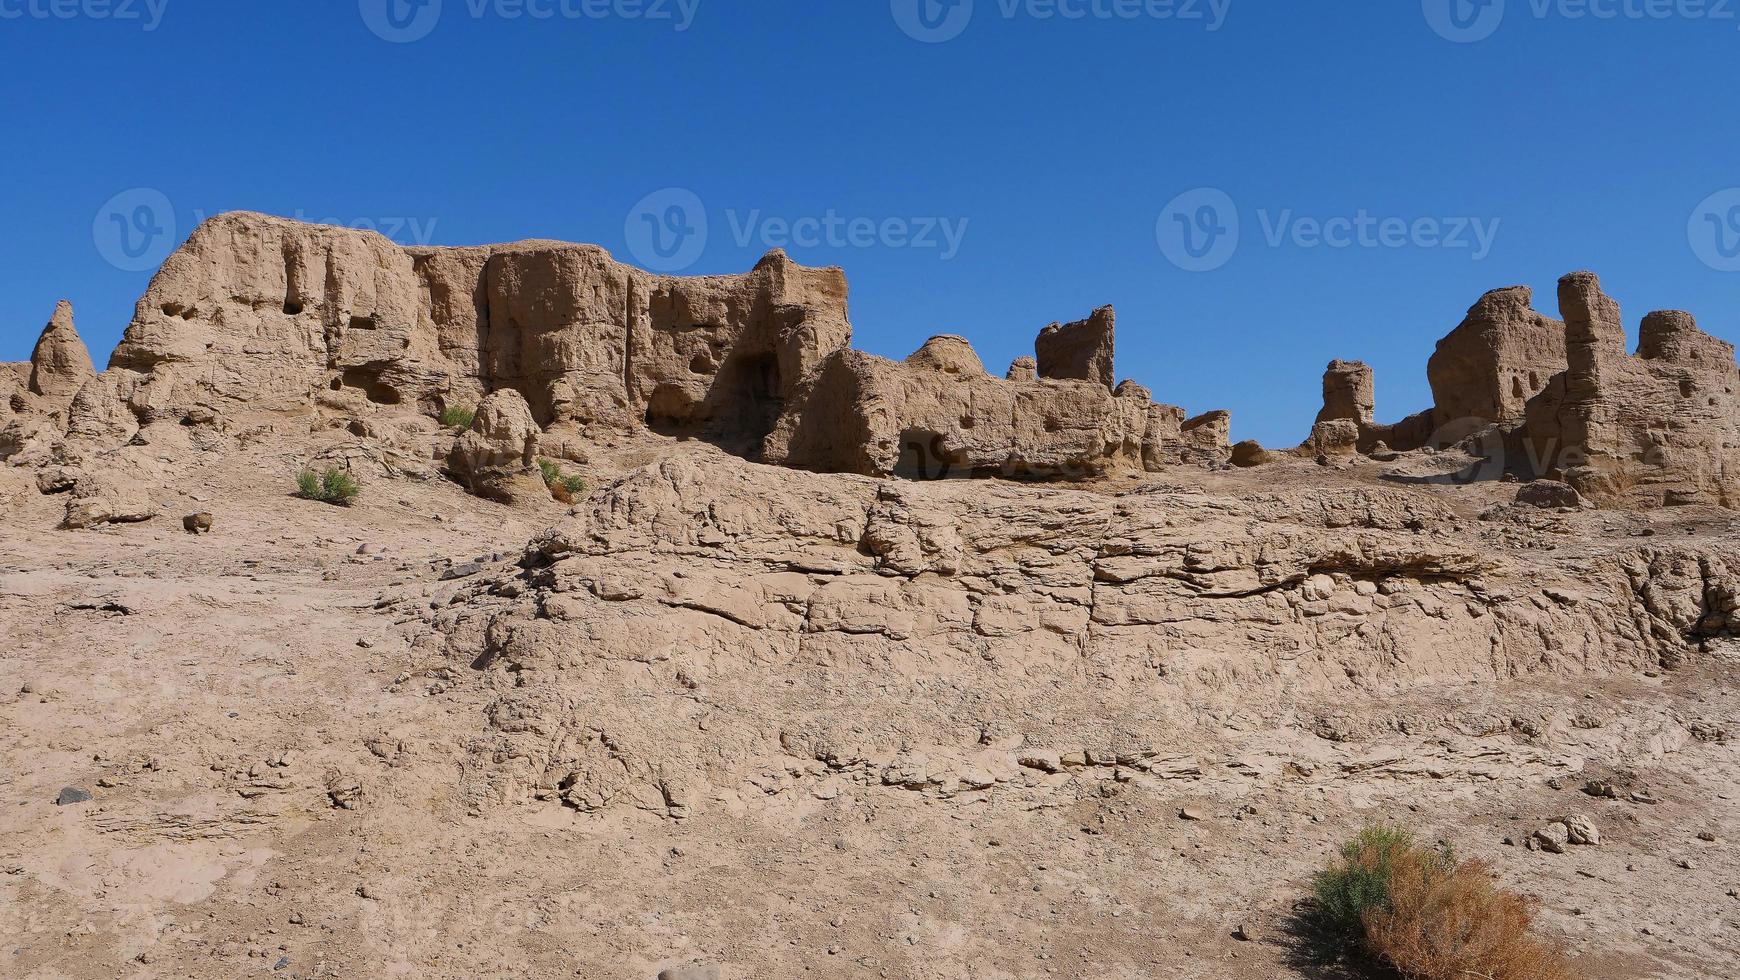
967	422
700	365
1534	381
1686	388
1052	425
1516	388
292	309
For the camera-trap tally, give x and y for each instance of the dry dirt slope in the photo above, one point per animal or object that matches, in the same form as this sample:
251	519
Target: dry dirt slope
792	725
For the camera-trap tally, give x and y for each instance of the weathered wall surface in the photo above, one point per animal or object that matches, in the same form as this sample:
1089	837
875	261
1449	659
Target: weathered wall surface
266	312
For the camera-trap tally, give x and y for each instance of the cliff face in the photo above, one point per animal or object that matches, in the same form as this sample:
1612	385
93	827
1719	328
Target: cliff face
260	314
276	315
268	312
1564	400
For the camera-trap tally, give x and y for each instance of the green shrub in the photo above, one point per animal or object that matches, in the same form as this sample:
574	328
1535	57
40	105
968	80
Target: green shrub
330	486
1428	916
1360	882
562	486
456	416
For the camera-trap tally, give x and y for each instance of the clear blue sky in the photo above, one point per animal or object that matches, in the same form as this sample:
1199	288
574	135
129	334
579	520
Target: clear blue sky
1061	142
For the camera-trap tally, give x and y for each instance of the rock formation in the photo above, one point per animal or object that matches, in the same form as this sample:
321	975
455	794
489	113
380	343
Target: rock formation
950	355
258	315
60	364
264	311
1079	351
497	456
1660	427
855	684
1542	398
868	415
1348	393
1500	356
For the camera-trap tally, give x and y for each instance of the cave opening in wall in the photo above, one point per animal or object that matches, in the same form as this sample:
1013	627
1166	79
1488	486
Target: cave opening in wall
746	402
373	388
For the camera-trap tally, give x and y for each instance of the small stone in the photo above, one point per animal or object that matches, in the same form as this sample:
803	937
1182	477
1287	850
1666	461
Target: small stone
1190	813
698	971
1688	864
1245	933
1707	837
71	795
1042	761
1548	495
197	523
283	961
1552	838
344	793
1581	830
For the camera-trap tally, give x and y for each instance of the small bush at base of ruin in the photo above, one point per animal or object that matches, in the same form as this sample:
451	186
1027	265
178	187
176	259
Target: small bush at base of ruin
1427	915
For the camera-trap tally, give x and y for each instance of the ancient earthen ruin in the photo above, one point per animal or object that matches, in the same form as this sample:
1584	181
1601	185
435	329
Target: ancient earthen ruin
1540	399
673	636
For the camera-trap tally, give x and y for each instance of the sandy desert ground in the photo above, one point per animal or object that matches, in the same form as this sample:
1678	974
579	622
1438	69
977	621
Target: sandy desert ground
293	773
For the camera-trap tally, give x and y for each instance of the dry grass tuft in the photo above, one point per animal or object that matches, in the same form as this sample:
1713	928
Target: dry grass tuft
563	487
1430	916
